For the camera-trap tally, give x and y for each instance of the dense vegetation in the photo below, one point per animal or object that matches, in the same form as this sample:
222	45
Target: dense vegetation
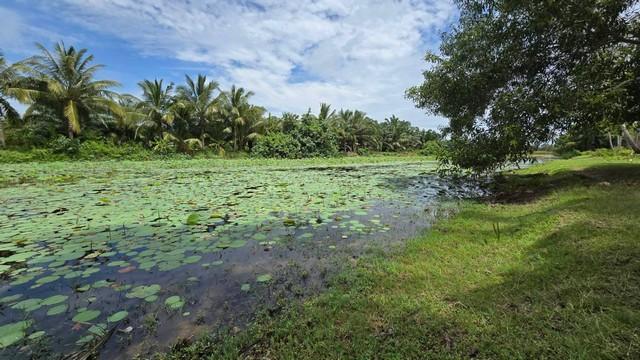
68	107
513	75
549	269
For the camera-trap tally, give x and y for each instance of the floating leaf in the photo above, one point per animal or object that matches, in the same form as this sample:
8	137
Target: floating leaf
245	287
86	316
36	335
264	278
143	291
55	299
28	305
10	298
12	333
193	219
56	310
174	302
117	316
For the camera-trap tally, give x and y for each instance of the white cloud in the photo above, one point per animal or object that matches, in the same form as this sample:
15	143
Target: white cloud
292	54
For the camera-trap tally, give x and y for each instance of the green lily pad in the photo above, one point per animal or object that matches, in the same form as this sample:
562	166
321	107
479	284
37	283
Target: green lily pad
56	310
10	298
174	302
193	219
12	333
86	316
143	291
55	299
245	287
117	316
264	278
28	305
36	335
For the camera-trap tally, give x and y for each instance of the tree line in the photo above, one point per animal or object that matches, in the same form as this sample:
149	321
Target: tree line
65	102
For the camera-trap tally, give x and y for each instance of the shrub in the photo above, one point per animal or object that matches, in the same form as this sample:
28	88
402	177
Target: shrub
94	150
616	152
277	145
164	146
431	148
65	146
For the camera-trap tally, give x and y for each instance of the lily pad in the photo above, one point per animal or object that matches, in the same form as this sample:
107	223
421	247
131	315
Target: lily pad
193	219
12	333
86	316
174	302
55	299
56	310
143	291
117	316
264	278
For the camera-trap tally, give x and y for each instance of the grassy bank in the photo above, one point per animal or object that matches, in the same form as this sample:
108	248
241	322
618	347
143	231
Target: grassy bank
549	269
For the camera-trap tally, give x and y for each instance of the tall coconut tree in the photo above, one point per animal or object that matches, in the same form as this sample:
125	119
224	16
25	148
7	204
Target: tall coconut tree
8	78
234	110
326	114
355	129
70	88
157	104
199	100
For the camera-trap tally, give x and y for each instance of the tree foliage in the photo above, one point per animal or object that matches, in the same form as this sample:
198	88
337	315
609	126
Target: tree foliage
68	106
514	74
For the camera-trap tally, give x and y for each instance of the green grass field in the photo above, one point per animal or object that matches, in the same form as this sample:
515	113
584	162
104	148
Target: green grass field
549	269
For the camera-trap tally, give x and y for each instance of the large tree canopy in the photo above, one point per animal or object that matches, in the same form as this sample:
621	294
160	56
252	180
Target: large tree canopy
513	74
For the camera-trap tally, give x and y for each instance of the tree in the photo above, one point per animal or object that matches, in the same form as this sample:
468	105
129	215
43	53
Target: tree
157	104
513	74
69	86
197	97
235	108
8	80
398	135
354	129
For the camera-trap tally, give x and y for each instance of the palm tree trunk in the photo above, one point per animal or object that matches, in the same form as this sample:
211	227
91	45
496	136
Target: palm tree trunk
70	130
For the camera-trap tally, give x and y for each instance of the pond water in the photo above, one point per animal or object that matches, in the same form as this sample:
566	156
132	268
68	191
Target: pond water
129	257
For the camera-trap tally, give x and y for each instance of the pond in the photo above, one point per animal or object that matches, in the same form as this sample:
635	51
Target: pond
128	257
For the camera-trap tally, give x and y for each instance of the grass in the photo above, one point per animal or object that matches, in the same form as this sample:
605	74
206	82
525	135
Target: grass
549	269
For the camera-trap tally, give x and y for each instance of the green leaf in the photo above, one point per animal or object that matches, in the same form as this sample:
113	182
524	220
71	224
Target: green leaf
117	316
86	316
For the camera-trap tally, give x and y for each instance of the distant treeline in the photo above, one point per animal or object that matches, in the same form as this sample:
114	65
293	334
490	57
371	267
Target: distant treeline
67	105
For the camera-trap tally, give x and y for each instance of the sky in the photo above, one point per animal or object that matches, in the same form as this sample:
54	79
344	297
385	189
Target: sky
293	54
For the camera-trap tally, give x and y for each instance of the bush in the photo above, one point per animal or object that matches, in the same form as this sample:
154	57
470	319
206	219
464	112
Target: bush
432	148
65	146
164	146
619	152
95	150
277	145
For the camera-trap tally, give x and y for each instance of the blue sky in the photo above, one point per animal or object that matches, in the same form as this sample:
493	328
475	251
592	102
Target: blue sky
293	54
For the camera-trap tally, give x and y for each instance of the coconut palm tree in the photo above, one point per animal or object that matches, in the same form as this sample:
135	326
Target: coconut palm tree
235	107
131	121
354	129
8	78
69	85
157	104
398	135
199	101
326	114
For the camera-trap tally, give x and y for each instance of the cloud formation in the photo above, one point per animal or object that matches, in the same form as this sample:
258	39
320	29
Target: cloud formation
292	54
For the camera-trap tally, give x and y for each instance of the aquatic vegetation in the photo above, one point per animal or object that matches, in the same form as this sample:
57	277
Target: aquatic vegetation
123	238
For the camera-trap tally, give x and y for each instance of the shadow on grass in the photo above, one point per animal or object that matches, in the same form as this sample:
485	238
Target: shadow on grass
522	188
574	290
